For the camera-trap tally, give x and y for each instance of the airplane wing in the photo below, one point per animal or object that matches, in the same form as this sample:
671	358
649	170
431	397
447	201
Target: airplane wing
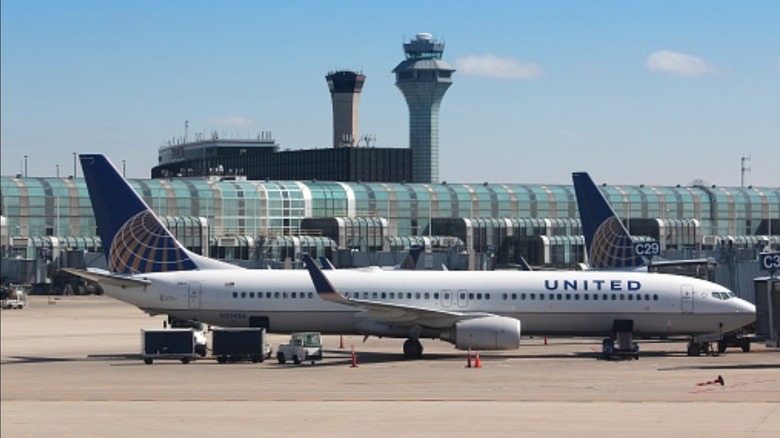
108	278
388	313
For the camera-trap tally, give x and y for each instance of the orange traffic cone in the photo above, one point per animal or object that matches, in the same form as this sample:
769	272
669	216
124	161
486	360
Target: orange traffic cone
477	362
354	358
468	363
712	382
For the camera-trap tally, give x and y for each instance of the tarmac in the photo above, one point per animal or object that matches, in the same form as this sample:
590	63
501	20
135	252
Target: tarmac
71	367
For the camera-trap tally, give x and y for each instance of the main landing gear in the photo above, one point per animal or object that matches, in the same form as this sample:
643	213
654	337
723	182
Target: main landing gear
413	349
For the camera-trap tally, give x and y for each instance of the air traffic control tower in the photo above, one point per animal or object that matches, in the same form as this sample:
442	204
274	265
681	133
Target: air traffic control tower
345	88
423	78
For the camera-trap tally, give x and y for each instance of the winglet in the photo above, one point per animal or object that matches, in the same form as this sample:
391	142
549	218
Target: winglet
410	261
322	285
327	265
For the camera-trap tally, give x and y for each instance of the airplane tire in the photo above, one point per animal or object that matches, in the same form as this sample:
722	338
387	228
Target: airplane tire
745	345
413	349
296	360
280	358
148	361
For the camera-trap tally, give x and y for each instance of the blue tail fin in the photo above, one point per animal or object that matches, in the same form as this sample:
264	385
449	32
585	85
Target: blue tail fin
607	241
134	240
409	262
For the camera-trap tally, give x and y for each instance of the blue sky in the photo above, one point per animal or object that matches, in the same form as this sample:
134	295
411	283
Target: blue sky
660	92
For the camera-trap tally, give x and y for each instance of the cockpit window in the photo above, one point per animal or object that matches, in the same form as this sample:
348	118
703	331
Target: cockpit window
724	295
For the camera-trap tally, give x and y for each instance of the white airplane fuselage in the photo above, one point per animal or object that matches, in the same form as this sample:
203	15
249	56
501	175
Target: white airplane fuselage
547	303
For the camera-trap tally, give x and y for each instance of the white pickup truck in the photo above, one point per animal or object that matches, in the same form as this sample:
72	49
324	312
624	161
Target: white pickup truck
303	347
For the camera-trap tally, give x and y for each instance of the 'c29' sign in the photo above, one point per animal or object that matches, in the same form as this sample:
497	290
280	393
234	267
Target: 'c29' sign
649	248
770	261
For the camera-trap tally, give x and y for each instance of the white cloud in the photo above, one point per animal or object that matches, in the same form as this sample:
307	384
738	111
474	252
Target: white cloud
236	121
494	67
666	61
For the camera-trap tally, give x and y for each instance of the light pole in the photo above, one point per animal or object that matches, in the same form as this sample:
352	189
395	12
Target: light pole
74	165
58	170
25	166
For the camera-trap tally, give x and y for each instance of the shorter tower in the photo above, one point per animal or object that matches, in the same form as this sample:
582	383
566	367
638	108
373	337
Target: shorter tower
345	87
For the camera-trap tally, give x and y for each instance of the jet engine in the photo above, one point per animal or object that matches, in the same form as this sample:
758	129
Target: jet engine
485	333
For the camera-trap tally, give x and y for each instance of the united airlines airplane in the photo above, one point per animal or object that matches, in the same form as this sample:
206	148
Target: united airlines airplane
480	310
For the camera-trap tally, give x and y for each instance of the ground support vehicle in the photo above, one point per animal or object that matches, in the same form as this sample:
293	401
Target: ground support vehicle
175	343
239	344
13	297
303	347
738	340
200	329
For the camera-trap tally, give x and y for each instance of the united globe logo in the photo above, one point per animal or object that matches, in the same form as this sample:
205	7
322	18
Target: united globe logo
612	247
144	245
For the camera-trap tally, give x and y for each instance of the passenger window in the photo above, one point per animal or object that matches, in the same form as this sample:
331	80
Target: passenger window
243	294
504	296
417	295
533	296
436	296
622	297
522	296
639	297
471	296
384	295
559	297
373	295
294	295
585	297
614	297
541	297
427	296
392	295
235	294
447	296
311	294
655	297
568	297
276	295
284	295
630	297
479	296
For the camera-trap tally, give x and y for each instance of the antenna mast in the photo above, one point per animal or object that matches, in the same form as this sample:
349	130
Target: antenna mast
745	168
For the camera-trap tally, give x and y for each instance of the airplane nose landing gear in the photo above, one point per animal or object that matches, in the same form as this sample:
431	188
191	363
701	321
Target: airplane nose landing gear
413	349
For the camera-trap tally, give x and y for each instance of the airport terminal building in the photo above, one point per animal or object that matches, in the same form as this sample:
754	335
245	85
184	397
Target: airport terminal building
268	222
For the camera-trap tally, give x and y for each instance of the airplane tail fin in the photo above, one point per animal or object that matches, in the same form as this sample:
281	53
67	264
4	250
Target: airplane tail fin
410	261
607	241
134	240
